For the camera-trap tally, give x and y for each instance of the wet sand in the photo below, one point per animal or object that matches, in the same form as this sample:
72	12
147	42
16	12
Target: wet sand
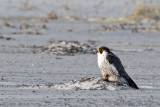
20	68
33	78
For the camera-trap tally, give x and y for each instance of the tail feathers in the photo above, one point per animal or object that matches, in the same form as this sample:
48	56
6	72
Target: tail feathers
131	83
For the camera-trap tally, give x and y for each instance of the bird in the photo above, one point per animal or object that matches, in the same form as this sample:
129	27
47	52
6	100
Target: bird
111	67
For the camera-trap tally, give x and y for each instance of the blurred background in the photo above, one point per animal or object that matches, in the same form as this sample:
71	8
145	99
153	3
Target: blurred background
79	8
64	19
134	11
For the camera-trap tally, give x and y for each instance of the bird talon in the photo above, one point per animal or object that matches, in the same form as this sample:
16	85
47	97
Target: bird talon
106	76
105	79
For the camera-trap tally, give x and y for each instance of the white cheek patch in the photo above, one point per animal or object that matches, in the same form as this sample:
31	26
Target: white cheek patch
100	59
104	54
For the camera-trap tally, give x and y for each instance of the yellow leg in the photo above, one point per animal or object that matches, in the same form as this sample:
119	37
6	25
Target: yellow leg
106	76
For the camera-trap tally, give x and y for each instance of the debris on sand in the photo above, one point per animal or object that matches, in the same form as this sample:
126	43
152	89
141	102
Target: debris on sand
91	83
132	27
52	15
7	24
146	12
72	18
6	38
63	47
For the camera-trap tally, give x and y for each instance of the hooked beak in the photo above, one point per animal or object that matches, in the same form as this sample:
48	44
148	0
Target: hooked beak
97	51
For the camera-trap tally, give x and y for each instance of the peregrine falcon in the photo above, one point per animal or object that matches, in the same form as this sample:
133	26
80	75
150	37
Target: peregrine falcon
112	68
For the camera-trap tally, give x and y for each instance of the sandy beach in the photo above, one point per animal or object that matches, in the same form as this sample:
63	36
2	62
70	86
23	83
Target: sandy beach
47	56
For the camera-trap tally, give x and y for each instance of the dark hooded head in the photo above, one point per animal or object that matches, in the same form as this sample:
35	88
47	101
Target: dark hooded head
103	48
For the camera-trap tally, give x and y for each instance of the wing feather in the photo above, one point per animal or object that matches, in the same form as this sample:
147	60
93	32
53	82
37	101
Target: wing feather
114	60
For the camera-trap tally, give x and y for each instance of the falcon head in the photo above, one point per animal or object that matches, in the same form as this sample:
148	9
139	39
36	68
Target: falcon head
102	50
102	53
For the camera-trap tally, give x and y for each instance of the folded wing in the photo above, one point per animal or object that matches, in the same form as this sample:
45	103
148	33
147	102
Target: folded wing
114	60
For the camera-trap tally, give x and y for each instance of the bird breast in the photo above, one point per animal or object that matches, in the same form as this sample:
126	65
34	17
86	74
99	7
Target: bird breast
105	66
101	59
103	63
